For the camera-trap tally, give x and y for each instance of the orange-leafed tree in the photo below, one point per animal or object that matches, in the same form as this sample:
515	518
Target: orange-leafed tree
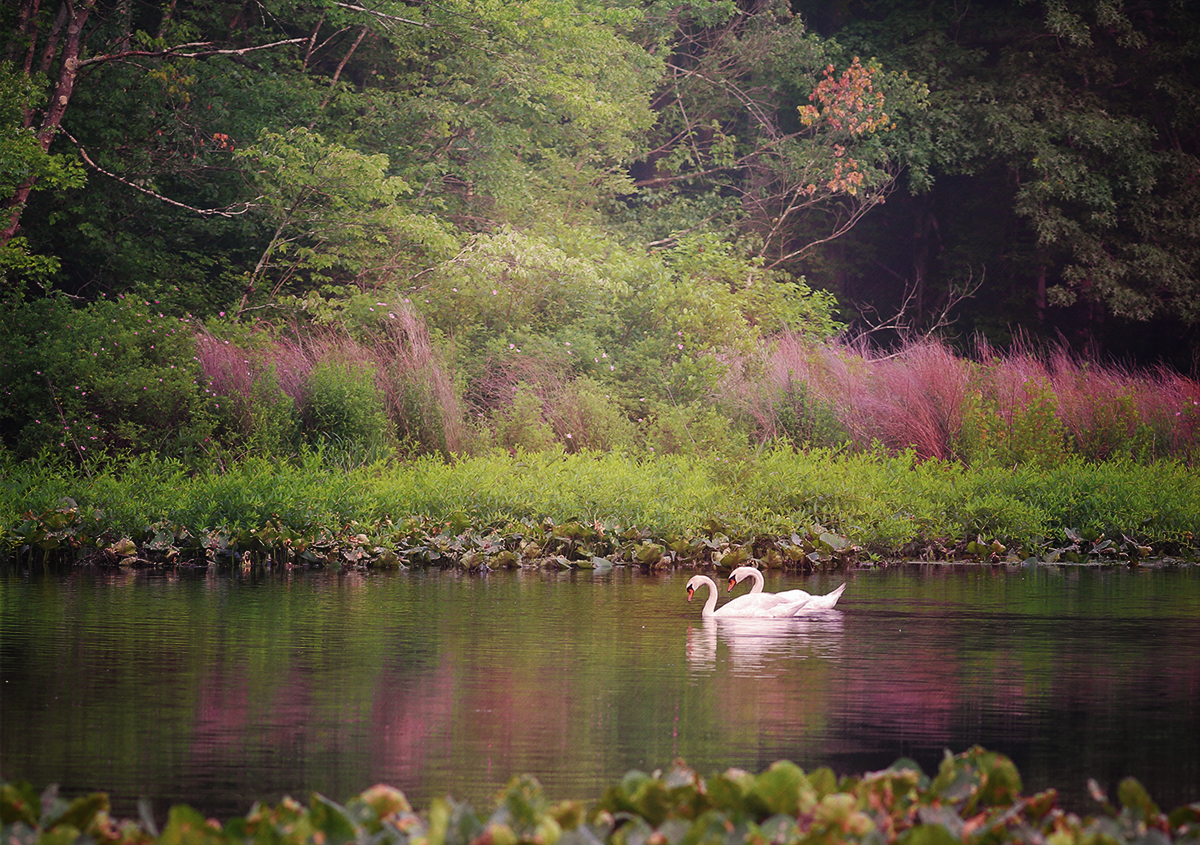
759	131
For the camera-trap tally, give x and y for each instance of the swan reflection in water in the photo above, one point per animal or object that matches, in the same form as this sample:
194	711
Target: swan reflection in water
763	647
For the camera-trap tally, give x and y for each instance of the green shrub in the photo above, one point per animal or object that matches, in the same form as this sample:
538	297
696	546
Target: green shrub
808	420
274	425
584	416
1027	432
343	410
521	426
114	376
417	416
254	415
1111	430
693	429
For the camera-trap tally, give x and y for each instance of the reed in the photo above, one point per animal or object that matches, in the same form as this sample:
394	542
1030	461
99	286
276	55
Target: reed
1025	404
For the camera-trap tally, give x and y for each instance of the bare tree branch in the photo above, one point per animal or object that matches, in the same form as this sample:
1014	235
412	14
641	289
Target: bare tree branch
337	74
385	16
204	212
904	322
175	52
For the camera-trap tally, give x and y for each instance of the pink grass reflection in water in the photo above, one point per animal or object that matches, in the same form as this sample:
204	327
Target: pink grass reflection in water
218	690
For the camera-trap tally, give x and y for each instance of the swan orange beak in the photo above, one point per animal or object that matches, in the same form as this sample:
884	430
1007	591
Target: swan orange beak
690	591
732	583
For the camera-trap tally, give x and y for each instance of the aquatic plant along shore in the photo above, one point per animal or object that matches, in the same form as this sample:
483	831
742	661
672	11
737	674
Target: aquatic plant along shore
780	509
975	796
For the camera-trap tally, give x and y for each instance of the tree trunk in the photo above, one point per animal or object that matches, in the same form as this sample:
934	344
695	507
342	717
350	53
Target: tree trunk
1040	300
68	71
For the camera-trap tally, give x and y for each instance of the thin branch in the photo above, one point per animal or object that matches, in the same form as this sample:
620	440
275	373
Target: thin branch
341	66
859	209
67	427
203	212
312	41
905	325
174	52
385	16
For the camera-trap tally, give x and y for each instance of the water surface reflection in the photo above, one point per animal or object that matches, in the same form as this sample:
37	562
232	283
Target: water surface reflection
763	648
218	690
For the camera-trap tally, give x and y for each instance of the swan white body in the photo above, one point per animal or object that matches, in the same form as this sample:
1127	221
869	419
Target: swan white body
761	606
753	573
807	603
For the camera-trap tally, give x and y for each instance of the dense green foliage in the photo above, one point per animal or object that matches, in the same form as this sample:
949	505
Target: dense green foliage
118	375
249	160
975	797
684	368
332	237
781	509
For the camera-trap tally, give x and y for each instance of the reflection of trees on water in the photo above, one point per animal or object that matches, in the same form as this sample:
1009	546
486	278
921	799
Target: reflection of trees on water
216	690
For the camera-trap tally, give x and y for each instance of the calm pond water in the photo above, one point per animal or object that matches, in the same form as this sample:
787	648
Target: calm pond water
216	690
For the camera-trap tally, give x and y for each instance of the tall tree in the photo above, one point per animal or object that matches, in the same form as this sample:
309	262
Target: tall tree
759	132
488	113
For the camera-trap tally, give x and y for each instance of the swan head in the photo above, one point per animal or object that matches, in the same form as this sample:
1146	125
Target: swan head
737	575
694	582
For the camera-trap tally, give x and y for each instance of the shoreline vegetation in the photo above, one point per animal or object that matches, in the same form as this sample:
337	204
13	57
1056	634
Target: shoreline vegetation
256	296
975	797
364	438
781	508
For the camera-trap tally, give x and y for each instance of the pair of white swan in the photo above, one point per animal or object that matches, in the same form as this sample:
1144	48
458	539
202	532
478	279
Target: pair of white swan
756	603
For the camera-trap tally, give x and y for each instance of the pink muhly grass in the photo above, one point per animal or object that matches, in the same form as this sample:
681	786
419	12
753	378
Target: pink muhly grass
233	374
546	380
911	399
1173	403
224	365
918	397
1108	408
915	399
785	362
292	368
502	377
575	411
417	392
417	384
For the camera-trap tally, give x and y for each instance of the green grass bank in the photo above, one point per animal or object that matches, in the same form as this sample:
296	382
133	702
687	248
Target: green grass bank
781	507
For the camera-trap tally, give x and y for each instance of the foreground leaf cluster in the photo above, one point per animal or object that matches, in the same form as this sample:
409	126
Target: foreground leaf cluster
976	797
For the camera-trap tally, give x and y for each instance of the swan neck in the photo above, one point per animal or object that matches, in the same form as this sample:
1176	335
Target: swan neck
710	604
759	581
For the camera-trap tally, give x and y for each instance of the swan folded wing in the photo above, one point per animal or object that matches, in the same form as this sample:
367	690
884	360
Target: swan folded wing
761	605
783	606
825	602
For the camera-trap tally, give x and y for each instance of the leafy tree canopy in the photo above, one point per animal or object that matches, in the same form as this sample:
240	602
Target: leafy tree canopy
896	153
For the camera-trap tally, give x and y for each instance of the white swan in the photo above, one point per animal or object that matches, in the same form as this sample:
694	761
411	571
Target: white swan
756	588
762	606
808	602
